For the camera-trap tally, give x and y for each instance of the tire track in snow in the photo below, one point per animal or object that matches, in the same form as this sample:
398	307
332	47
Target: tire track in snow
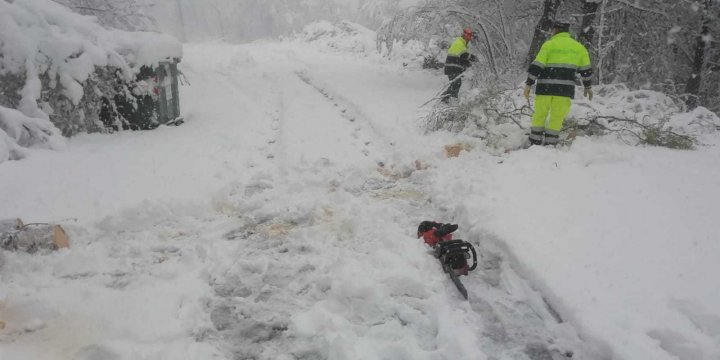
254	300
352	113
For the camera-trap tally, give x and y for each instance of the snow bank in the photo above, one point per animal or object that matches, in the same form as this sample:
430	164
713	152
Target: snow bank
619	237
622	239
647	107
502	118
349	37
56	50
110	296
343	36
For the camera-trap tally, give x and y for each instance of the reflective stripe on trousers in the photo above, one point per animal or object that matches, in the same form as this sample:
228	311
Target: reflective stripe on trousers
551	139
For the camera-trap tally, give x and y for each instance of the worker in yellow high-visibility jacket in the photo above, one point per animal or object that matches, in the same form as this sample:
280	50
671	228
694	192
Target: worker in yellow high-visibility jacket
457	61
554	70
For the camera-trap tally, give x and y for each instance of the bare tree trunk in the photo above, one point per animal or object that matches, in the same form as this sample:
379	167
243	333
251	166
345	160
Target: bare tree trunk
701	42
600	53
587	31
542	28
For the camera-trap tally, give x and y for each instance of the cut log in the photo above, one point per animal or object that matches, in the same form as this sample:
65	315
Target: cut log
15	235
60	238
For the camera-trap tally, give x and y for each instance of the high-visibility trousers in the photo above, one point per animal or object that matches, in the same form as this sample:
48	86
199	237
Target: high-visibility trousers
547	121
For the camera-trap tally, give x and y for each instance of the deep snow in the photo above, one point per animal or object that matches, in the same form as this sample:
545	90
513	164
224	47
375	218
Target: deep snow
265	227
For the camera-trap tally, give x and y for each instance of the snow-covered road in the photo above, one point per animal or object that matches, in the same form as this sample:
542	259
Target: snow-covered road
328	269
278	223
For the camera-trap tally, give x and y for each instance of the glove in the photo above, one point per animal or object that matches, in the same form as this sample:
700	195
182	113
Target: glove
589	93
473	58
526	92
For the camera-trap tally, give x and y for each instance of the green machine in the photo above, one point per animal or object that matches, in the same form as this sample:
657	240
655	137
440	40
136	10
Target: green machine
168	102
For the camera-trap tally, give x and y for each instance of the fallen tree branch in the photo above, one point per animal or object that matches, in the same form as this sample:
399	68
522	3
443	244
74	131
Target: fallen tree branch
655	135
512	114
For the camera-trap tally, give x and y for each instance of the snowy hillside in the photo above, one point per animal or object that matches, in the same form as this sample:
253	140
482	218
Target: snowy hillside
279	223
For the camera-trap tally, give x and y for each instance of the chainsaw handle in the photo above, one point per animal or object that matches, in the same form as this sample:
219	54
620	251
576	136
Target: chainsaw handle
474	255
445	229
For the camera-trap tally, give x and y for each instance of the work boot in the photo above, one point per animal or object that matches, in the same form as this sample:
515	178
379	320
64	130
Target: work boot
536	135
534	142
551	139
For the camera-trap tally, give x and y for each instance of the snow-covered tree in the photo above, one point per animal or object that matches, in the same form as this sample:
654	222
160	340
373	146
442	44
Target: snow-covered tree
666	45
542	29
662	44
120	14
498	26
61	71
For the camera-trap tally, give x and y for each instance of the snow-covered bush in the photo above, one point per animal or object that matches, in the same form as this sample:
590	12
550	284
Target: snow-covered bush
344	36
18	131
60	67
642	116
349	37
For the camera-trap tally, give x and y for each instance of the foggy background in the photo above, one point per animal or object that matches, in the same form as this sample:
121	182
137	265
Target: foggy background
248	20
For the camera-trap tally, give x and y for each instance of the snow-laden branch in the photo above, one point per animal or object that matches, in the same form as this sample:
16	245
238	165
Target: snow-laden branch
434	20
19	132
